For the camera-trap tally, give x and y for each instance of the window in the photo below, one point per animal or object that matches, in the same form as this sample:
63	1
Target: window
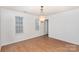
19	24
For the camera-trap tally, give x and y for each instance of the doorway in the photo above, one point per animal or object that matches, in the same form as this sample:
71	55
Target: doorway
46	26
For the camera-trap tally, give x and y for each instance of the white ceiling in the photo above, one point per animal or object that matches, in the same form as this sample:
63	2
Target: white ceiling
36	9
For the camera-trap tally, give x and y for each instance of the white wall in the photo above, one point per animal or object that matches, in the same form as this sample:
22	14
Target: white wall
8	34
65	26
0	26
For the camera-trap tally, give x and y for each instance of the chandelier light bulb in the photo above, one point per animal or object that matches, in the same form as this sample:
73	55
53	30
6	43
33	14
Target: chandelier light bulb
42	18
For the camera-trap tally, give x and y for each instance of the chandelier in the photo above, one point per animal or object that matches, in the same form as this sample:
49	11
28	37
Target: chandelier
42	16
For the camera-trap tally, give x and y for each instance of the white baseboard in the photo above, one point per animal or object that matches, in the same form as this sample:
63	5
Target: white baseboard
21	40
69	41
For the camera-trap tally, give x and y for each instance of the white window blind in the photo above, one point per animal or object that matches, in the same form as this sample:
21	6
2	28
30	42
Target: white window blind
19	24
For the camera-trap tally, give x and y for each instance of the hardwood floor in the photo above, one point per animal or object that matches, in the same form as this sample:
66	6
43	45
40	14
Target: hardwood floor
41	44
0	48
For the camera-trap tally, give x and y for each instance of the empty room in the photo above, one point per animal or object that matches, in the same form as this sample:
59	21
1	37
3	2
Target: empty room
39	28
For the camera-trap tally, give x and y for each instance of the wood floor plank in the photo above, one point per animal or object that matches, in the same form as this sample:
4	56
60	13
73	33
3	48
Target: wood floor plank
41	44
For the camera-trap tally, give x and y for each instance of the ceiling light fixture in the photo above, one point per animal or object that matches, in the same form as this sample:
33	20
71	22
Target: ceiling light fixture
42	16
